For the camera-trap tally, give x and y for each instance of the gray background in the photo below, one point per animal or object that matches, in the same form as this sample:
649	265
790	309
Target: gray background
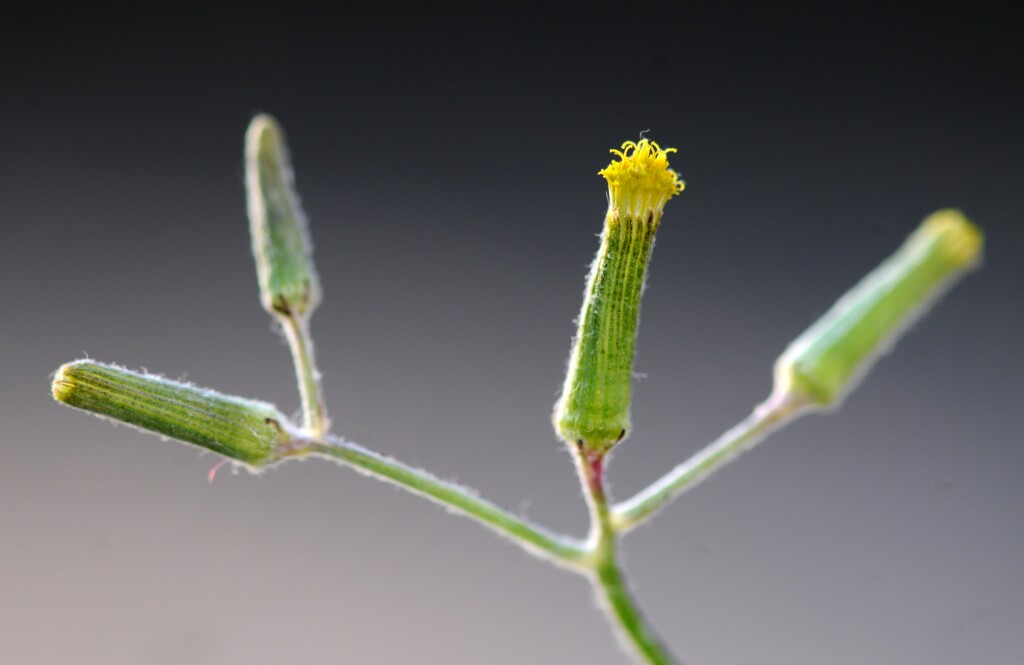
447	162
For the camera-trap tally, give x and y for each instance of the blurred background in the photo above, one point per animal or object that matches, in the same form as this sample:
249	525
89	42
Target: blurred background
447	161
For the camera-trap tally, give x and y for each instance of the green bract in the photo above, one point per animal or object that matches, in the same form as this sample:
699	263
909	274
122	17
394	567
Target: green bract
244	430
280	239
825	362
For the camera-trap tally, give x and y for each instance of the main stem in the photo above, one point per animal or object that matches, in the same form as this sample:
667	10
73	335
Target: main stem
314	413
606	575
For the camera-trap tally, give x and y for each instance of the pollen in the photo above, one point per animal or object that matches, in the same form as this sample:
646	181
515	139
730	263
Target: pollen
639	180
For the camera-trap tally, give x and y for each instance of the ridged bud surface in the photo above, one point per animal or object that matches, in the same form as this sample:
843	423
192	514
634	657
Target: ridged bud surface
593	411
280	237
241	429
824	363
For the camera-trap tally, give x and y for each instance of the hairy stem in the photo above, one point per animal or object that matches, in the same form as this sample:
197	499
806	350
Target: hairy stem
778	410
535	539
314	413
635	634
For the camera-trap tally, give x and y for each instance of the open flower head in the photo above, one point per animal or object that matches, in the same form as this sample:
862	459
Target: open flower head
640	179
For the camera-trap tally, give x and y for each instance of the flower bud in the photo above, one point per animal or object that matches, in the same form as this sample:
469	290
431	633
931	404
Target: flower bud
824	364
241	429
288	281
593	410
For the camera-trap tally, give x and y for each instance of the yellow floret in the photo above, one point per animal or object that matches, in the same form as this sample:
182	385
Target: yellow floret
641	181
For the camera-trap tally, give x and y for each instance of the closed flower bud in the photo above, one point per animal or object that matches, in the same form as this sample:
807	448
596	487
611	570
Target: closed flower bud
288	281
241	429
822	365
593	410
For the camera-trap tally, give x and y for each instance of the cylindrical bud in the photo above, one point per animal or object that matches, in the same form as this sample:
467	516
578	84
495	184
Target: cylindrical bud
593	411
289	284
241	429
826	361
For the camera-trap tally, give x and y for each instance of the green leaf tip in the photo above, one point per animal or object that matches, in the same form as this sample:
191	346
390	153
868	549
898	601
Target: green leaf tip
825	363
281	245
244	430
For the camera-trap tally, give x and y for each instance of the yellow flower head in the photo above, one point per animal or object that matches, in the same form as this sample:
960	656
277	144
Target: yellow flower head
641	181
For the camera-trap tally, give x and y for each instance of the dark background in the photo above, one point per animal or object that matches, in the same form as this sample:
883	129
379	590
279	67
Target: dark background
448	164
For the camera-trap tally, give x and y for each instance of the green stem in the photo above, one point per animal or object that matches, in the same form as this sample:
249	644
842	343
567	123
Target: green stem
535	539
636	635
777	411
314	413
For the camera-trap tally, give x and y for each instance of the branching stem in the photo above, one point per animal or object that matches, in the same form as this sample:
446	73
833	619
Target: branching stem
314	413
778	410
598	557
535	539
635	634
